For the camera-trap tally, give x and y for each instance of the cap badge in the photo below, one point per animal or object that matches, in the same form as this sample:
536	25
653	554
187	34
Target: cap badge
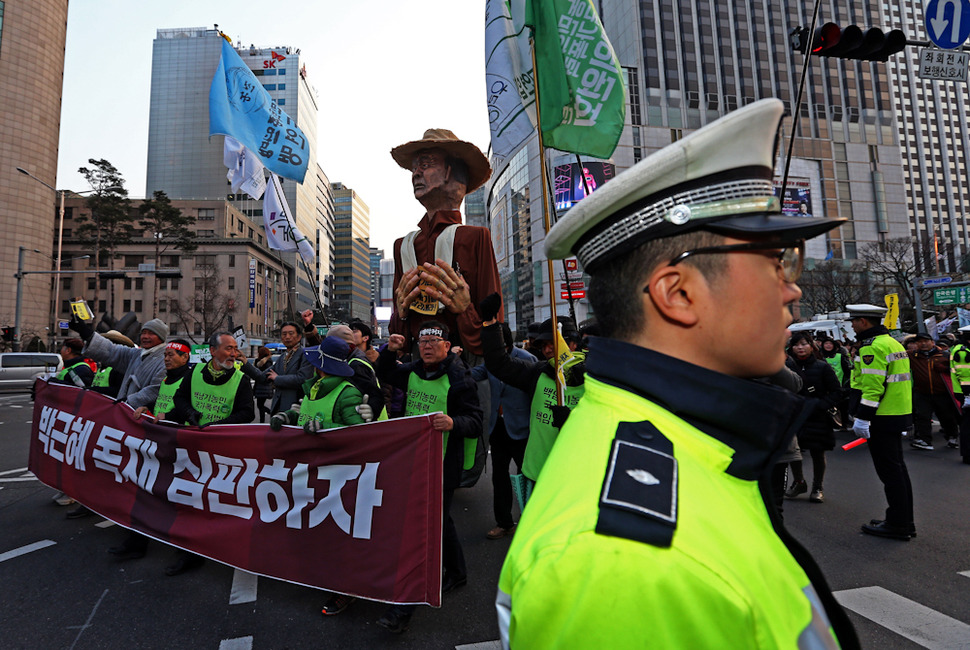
678	215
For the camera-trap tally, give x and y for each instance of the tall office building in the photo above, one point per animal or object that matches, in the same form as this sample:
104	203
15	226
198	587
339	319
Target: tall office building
186	164
376	255
351	283
689	62
32	37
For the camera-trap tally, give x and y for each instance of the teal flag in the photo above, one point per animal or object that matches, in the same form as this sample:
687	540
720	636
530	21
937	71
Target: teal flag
582	101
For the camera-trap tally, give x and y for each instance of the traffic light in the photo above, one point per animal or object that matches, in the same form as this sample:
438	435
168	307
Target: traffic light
7	333
168	273
111	275
850	42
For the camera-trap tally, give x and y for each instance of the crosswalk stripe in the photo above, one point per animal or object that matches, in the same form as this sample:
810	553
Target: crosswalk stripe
107	523
965	573
23	550
484	645
905	617
19	470
243	587
240	643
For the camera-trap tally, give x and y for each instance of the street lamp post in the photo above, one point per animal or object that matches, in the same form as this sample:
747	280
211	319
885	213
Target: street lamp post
60	242
20	296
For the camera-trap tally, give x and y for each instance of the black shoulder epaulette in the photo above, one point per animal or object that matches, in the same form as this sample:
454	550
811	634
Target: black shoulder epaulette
639	496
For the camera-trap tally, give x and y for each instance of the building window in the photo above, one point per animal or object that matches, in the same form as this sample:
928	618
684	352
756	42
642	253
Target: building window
205	260
198	329
66	284
162	306
280	102
132	261
281	87
127	284
91	283
1	22
232	261
269	86
126	306
138	305
232	284
208	234
282	71
207	214
139	284
102	306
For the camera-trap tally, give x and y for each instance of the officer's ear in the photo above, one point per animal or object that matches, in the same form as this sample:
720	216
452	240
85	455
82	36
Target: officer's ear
674	292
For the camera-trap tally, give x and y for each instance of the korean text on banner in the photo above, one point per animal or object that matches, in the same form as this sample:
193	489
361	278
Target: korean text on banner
891	321
582	97
281	233
240	107
355	511
563	355
509	86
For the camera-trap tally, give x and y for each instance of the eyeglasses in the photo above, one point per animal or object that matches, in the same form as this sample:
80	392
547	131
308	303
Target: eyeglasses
791	257
429	343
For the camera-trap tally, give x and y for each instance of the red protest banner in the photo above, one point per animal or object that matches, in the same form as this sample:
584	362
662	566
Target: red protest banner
355	510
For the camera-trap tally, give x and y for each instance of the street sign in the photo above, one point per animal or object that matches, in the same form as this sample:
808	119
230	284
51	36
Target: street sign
572	285
63	325
951	296
943	279
943	64
577	295
947	22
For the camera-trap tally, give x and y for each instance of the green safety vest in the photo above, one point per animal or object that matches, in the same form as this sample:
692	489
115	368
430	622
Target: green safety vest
726	579
542	435
836	362
102	378
959	366
428	396
321	409
165	401
855	378
884	377
62	375
213	402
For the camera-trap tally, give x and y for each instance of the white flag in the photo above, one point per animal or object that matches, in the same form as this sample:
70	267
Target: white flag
281	233
509	82
245	168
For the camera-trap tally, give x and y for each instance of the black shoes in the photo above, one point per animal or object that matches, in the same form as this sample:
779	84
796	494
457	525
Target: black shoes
395	620
125	552
880	528
186	562
337	604
79	512
450	583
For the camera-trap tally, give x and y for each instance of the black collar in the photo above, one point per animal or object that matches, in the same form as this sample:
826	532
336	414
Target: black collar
754	418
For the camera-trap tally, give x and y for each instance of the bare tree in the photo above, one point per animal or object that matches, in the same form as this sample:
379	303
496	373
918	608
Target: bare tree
899	262
832	285
208	305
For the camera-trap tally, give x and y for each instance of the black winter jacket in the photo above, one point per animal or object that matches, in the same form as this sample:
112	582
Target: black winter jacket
819	382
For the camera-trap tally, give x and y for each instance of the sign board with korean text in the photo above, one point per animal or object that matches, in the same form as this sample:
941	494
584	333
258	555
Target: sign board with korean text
951	296
252	282
943	64
576	295
947	22
941	279
892	311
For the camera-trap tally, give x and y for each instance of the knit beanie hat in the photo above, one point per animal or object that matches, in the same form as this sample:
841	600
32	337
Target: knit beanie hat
157	327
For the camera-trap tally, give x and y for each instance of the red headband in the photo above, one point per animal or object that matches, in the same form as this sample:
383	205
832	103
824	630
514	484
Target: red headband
178	347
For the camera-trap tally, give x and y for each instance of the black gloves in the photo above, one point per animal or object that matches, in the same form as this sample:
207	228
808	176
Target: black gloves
559	415
84	330
490	305
193	418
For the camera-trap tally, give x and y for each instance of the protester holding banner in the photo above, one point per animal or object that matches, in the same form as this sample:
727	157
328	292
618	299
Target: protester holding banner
652	523
216	392
443	269
290	370
143	368
365	375
438	382
177	352
330	400
263	390
77	368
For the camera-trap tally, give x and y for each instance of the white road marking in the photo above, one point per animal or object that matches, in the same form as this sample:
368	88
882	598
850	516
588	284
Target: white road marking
13	471
242	643
87	623
918	623
484	645
243	587
15	406
14	479
107	523
23	550
965	573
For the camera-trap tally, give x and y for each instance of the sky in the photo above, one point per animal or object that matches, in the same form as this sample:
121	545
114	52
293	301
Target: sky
385	71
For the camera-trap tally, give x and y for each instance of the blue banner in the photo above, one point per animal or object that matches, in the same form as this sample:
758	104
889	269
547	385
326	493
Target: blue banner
240	107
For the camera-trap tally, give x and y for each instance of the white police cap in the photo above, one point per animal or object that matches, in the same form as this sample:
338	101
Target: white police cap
718	178
864	310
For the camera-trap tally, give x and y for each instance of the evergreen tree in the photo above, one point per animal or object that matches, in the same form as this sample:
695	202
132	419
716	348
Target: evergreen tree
169	228
108	224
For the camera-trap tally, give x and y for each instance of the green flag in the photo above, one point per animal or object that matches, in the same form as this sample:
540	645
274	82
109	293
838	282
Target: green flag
582	101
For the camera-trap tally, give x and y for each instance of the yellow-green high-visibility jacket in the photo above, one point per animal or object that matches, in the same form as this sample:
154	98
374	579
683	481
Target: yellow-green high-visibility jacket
960	368
884	378
638	536
855	377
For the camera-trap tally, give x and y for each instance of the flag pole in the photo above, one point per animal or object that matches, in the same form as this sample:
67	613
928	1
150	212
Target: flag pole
546	220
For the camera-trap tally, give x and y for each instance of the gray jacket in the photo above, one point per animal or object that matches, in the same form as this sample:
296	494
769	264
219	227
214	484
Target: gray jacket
288	386
144	370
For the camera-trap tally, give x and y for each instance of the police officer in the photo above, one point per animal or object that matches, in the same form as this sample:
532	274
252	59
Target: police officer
885	411
960	371
650	524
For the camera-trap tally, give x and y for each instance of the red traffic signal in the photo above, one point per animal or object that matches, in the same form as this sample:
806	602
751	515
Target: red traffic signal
850	42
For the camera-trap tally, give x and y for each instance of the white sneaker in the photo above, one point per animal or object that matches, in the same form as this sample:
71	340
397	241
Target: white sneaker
919	444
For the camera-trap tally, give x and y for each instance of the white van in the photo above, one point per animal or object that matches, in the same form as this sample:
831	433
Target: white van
18	370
